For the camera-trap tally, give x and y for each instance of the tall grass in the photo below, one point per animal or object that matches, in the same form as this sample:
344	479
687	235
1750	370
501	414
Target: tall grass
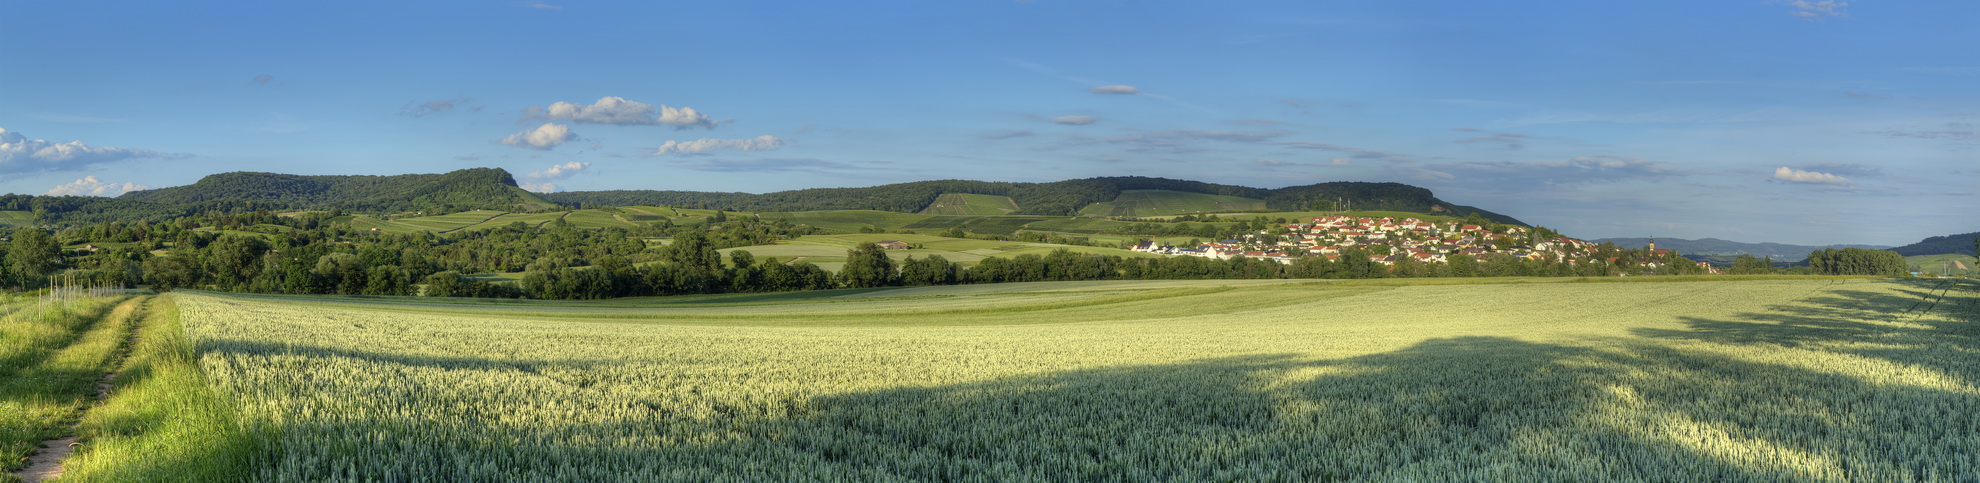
51	357
163	421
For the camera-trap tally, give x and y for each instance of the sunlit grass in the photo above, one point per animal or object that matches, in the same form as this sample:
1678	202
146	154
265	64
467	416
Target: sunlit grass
50	360
163	421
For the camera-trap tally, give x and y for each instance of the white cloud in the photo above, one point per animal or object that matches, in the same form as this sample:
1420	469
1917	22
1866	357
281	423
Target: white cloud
1792	175
1074	120
90	186
621	111
760	143
540	181
1816	10
1116	89
18	154
543	137
560	171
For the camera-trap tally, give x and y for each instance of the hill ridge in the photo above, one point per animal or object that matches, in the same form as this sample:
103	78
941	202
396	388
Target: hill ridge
1059	198
1716	246
474	188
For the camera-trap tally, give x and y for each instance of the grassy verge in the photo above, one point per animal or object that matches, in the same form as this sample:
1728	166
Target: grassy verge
49	365
162	420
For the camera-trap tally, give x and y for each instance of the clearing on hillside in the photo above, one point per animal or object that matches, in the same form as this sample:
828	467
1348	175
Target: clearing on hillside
1511	380
970	204
16	218
1166	203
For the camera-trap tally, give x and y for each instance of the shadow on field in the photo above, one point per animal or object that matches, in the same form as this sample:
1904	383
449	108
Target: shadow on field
1464	408
1930	317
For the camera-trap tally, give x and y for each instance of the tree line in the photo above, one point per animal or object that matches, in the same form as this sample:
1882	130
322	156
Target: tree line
316	253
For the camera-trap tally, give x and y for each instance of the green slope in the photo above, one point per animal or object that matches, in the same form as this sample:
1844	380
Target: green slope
1961	244
970	204
1942	264
16	218
1165	203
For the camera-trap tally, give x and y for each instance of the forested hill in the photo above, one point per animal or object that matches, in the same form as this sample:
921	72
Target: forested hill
1961	244
479	188
1062	198
1728	248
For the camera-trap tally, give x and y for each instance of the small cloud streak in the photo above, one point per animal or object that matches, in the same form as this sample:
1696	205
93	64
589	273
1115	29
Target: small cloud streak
1508	140
1792	175
546	136
262	80
1074	120
1008	134
760	143
434	107
1115	90
539	5
1177	140
621	111
1817	10
1353	152
1582	170
769	166
90	186
1275	163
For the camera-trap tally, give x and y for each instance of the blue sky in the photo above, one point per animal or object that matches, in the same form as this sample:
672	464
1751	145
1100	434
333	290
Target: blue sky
1752	120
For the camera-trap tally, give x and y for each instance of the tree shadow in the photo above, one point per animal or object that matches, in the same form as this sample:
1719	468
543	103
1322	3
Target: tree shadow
1926	322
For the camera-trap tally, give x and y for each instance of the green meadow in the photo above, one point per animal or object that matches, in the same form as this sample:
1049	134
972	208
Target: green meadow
970	204
829	251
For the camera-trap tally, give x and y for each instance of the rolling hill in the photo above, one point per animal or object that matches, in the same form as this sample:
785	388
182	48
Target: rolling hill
955	202
480	188
1713	247
1061	198
1958	244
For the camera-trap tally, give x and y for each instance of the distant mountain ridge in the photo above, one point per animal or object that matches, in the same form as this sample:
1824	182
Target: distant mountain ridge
496	189
1061	198
1714	246
478	188
1961	244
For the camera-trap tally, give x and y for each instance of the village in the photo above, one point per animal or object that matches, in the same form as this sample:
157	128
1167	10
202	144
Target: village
1386	240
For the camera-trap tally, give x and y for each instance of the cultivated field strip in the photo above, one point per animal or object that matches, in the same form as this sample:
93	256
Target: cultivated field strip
1819	380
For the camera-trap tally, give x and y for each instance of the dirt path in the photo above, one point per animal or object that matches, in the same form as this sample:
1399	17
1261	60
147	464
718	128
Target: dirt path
48	463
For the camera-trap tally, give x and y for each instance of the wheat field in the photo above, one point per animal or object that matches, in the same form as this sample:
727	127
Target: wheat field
1755	380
